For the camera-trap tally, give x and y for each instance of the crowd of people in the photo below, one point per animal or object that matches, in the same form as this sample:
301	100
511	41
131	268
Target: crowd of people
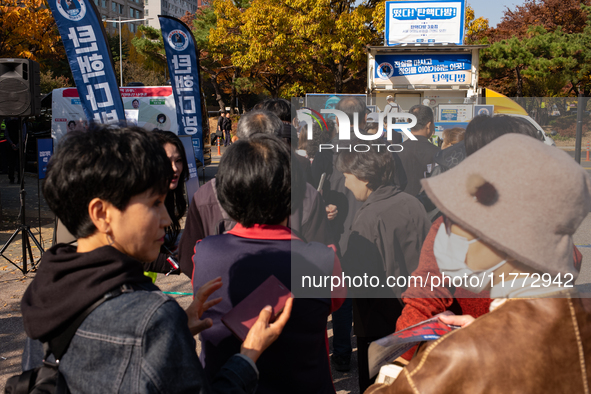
223	130
480	207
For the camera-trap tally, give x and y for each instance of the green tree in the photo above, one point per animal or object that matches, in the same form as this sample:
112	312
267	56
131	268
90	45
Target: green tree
214	62
150	44
545	59
114	46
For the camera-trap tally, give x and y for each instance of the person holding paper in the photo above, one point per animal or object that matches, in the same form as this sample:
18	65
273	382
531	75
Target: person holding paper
258	188
499	234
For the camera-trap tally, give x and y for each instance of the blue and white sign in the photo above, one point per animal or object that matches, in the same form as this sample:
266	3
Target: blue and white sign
436	69
424	22
183	65
488	110
90	60
44	153
178	40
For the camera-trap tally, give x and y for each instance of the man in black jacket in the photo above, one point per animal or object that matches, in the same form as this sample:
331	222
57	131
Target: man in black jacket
227	129
417	156
219	132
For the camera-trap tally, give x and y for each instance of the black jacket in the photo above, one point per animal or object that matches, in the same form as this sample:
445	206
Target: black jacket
334	190
227	125
386	238
416	157
221	122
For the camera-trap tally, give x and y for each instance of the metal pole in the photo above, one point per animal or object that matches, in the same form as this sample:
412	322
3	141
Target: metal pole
580	110
22	192
120	56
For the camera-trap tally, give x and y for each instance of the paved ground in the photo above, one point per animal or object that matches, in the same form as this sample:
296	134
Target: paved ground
13	283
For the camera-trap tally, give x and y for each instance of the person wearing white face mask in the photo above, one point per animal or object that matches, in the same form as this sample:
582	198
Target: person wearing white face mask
537	337
451	250
422	303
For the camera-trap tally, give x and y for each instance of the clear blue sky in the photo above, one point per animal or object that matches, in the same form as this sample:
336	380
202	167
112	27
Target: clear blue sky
493	10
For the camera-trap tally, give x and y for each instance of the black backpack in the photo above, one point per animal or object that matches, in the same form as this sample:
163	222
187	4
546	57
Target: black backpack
47	378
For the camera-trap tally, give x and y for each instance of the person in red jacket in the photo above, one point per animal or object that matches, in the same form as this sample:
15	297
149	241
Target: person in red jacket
420	302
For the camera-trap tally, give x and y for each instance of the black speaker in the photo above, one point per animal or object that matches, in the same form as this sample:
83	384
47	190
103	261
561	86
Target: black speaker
20	94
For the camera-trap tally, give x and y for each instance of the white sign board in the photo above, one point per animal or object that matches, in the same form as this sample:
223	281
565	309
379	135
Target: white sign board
152	107
424	22
455	113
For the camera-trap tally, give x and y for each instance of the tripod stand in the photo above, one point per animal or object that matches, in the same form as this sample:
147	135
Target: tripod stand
23	229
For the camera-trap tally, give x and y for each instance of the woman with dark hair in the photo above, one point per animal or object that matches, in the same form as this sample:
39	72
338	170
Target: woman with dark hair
175	201
483	129
257	187
387	234
160	120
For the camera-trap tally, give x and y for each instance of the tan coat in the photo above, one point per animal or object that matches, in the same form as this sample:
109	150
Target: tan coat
524	346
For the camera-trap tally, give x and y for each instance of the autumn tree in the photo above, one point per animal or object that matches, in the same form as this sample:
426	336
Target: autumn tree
475	29
48	82
28	30
300	45
550	14
335	38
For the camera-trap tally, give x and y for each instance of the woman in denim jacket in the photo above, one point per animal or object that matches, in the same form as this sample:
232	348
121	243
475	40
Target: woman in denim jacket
108	188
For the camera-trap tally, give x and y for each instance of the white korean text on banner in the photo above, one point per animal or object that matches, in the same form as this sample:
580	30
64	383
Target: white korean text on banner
90	60
436	69
424	22
183	65
192	184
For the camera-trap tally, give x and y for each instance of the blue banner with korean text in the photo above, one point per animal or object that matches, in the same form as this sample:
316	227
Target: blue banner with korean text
90	59
424	69
183	65
44	153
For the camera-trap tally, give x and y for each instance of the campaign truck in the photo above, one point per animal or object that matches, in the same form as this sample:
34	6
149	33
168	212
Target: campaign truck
149	107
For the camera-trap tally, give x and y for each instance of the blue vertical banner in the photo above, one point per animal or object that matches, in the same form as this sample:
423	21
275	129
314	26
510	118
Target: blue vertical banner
90	59
183	65
192	184
44	153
